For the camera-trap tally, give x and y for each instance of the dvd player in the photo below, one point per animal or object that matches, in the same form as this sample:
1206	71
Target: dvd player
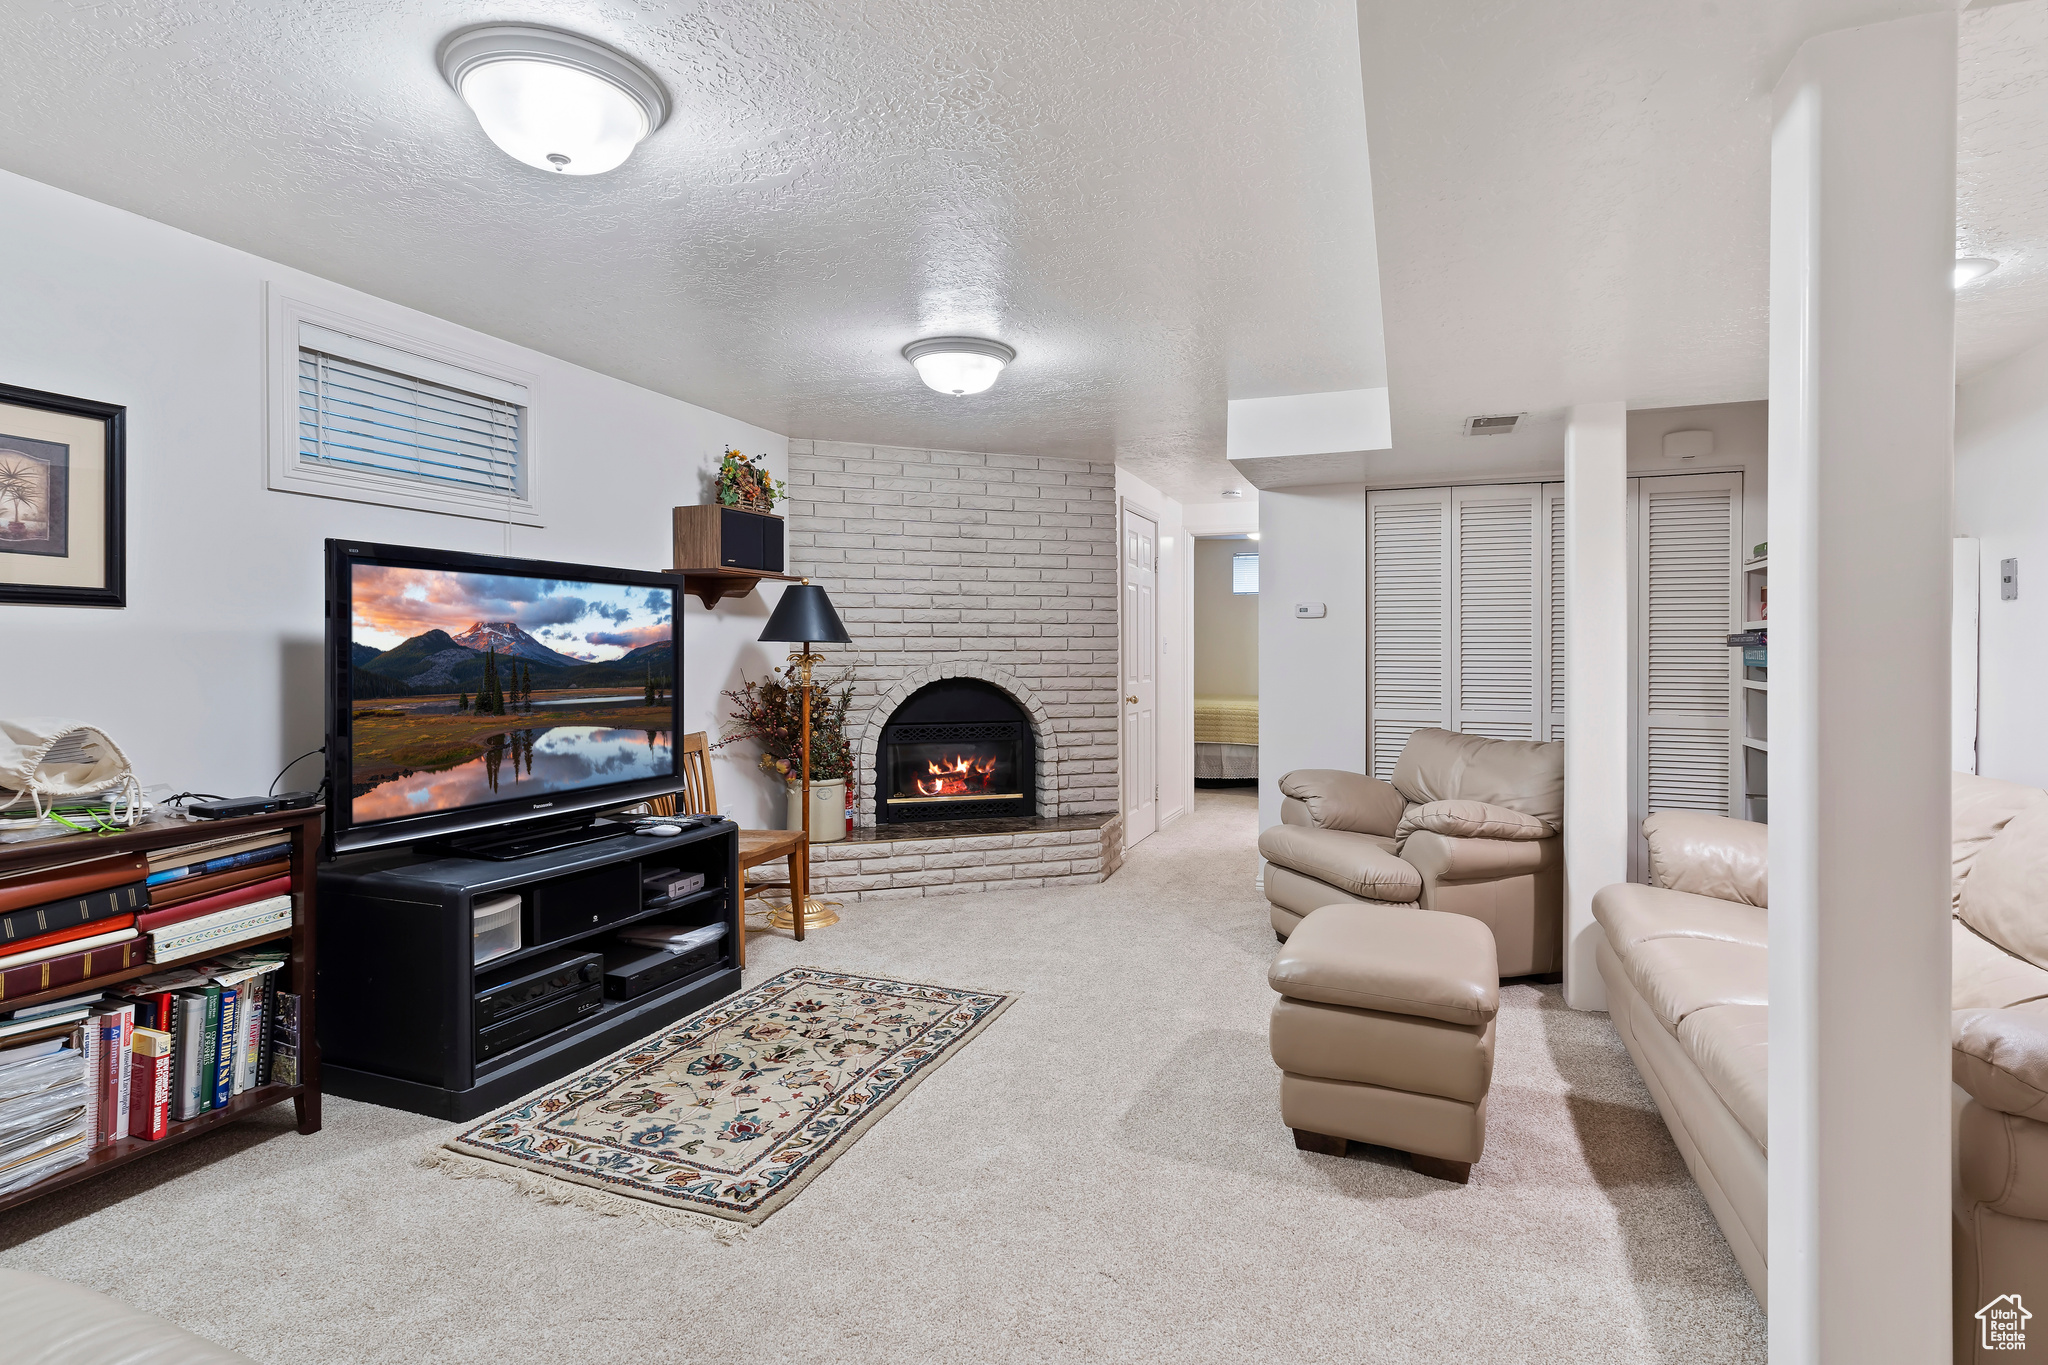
556	1011
526	984
631	970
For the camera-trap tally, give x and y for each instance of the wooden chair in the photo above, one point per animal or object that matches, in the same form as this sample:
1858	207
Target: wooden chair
757	846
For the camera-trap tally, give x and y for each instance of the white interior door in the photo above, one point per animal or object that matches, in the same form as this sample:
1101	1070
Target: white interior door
1140	674
1496	601
1688	597
1408	623
1552	710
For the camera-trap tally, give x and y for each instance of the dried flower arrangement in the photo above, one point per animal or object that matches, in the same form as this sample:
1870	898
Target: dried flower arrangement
770	712
745	483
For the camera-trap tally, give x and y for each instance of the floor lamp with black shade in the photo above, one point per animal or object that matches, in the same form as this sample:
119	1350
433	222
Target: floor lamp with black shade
804	617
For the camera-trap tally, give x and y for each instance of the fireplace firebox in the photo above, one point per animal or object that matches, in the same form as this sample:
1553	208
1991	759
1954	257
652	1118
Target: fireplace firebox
958	749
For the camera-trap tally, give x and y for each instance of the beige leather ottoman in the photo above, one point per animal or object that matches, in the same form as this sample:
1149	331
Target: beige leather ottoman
1384	1033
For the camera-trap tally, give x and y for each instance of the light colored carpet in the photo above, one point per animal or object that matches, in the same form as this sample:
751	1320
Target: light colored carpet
1101	1176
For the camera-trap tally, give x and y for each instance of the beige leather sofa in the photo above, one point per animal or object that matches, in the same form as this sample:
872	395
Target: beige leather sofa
1468	825
1686	965
51	1322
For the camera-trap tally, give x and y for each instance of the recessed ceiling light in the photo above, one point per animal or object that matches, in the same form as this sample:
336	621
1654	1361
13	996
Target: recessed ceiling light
551	99
958	365
1973	268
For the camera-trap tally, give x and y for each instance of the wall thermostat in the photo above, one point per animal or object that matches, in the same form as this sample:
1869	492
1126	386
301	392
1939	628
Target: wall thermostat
1308	610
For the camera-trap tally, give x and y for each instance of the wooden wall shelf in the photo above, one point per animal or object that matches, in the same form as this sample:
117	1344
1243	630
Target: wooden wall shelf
712	586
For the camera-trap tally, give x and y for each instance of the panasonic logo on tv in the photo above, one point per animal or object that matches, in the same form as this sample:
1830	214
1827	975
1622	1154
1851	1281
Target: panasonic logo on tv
542	805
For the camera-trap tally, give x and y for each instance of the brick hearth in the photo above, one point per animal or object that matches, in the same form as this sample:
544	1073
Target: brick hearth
956	857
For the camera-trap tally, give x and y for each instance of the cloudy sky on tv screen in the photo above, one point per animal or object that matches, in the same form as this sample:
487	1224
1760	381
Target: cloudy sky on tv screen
469	688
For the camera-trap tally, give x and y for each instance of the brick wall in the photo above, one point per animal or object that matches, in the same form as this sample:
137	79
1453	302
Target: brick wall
949	563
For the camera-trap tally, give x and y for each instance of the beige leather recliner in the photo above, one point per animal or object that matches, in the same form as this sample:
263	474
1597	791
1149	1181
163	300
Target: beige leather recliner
1468	825
1686	963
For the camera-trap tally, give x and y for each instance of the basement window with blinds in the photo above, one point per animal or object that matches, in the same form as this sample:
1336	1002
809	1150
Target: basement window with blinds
1244	572
374	422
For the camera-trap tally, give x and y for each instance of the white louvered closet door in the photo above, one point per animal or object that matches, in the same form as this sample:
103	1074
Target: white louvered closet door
1687	532
1552	710
1497	548
1408	586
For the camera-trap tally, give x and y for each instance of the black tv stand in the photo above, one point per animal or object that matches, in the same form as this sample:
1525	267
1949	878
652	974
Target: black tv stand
399	981
501	846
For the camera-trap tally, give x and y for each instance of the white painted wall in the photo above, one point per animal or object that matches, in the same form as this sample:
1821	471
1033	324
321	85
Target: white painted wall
1226	623
1862	366
1176	656
211	677
2002	500
1227	517
1598	714
1741	432
1312	711
1307	424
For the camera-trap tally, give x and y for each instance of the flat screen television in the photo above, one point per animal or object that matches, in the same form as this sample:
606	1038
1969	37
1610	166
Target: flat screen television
467	692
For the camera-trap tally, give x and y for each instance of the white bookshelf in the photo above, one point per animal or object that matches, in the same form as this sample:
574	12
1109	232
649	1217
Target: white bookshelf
1756	696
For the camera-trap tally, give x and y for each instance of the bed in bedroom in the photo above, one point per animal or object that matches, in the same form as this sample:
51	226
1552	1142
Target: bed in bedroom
1226	741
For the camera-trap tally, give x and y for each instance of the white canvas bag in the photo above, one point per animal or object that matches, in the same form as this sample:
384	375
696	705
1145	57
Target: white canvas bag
47	762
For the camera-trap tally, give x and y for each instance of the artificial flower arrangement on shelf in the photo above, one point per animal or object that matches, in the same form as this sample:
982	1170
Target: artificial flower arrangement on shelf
745	483
770	712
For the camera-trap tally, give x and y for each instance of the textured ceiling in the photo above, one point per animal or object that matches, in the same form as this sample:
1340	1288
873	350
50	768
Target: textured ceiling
1161	204
1573	201
2002	182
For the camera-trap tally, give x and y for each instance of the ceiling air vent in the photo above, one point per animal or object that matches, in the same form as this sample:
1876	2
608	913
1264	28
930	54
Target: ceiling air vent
1498	425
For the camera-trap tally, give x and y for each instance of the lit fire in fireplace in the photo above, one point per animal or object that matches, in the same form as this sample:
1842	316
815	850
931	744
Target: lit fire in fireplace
956	776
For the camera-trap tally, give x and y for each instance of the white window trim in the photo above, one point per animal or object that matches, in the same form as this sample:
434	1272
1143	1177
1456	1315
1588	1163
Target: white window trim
441	344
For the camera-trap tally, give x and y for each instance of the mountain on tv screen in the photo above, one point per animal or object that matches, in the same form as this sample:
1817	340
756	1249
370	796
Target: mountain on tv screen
475	687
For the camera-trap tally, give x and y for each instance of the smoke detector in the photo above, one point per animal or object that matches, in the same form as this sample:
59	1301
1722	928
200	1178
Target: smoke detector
1688	445
1233	492
1499	424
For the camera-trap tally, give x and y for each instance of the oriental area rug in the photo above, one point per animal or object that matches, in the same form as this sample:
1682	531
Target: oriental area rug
733	1110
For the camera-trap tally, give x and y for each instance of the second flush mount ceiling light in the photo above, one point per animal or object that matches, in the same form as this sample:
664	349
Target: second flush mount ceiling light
551	99
958	365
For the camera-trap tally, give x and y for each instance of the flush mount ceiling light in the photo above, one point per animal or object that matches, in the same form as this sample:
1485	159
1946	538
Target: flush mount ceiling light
1970	269
551	99
958	365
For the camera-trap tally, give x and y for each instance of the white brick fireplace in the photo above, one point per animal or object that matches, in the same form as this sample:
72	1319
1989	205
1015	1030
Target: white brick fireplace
1001	568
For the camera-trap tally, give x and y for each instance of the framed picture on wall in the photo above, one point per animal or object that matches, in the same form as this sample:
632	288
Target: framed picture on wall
62	500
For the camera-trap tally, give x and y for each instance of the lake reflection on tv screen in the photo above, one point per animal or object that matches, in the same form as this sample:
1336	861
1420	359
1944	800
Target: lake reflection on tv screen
530	761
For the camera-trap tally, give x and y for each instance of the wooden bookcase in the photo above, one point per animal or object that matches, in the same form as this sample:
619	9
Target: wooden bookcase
303	827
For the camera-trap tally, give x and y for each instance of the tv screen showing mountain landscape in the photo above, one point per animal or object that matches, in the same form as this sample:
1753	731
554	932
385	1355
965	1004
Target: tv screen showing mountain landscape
475	687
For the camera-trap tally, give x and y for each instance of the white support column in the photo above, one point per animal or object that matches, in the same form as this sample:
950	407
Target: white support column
1861	432
1596	682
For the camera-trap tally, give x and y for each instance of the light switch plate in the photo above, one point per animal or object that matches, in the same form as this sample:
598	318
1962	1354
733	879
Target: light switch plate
1309	610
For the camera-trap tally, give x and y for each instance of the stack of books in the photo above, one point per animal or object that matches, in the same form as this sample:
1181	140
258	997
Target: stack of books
223	1022
160	1050
69	923
204	897
84	920
45	1123
110	1064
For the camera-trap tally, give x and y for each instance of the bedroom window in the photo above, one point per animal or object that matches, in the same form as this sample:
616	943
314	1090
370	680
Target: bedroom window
1244	573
